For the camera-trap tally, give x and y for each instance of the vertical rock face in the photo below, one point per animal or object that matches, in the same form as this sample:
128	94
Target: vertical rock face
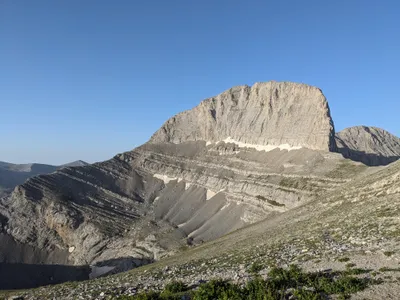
271	113
370	145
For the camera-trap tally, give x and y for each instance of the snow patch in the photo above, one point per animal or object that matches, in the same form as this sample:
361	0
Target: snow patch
210	194
164	178
289	165
261	147
225	206
233	152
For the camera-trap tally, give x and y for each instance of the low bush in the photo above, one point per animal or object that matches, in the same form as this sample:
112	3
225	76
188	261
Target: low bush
218	289
175	287
343	259
255	268
280	284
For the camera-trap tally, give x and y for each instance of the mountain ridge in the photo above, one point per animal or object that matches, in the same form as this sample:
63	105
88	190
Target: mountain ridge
12	174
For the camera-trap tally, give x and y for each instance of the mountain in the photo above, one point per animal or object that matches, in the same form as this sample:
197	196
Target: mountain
12	175
251	155
271	114
370	145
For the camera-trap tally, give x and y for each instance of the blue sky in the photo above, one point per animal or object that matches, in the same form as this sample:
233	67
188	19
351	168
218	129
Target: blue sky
89	79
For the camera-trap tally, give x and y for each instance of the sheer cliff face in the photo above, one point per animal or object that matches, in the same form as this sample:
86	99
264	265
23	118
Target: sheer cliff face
370	145
271	113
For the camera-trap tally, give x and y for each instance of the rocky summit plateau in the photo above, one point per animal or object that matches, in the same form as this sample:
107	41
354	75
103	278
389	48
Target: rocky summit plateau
253	175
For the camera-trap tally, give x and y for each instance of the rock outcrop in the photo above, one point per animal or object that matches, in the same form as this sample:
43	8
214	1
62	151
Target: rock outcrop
266	114
370	145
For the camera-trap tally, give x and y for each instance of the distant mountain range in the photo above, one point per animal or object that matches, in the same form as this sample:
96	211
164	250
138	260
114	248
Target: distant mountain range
12	175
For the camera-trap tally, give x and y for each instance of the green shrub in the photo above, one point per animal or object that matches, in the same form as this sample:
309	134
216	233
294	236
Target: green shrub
386	269
346	285
286	278
255	268
142	296
356	271
175	287
275	203
343	259
302	294
280	284
388	253
218	289
260	289
350	265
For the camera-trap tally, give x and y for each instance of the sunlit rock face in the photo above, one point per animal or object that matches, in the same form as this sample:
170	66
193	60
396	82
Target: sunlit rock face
265	114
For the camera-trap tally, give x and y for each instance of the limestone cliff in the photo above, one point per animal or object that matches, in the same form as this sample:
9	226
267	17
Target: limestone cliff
271	113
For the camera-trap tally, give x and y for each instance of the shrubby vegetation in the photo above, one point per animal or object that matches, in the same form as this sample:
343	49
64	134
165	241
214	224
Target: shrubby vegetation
280	284
255	268
343	259
272	202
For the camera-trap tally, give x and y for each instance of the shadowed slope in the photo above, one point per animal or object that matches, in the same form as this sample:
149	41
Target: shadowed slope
370	145
12	175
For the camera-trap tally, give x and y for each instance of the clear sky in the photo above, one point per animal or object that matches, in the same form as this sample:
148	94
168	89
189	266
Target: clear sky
89	79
